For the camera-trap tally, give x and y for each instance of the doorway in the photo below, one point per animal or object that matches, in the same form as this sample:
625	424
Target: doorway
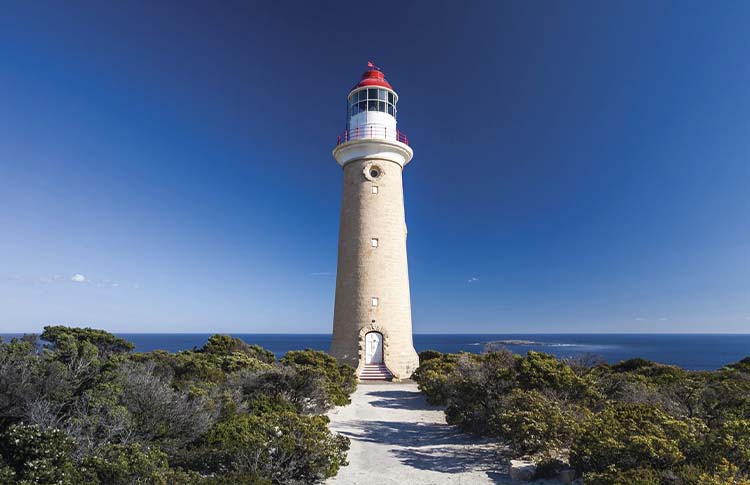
374	348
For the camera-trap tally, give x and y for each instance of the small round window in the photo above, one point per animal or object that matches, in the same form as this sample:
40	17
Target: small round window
372	171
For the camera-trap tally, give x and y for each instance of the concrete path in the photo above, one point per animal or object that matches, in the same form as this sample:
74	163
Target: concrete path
397	438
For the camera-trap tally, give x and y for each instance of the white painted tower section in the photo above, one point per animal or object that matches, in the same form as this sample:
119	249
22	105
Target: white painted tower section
372	278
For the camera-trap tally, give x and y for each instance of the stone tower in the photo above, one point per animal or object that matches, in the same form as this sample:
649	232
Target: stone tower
372	314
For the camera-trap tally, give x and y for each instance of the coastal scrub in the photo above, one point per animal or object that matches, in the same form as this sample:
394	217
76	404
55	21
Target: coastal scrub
633	422
84	408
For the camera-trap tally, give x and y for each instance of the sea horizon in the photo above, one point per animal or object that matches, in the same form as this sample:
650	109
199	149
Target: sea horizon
230	332
692	351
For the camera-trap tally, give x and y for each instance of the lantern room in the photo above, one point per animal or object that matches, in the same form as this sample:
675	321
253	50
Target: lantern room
371	108
379	100
371	123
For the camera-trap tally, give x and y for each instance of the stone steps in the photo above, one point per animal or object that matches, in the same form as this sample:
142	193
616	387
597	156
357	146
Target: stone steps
375	372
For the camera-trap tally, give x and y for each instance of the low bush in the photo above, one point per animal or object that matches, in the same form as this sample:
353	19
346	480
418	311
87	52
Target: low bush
224	345
340	379
86	409
284	447
633	422
624	437
130	464
31	455
432	376
535	422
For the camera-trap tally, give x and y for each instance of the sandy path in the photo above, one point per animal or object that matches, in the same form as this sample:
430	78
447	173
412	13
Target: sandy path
397	438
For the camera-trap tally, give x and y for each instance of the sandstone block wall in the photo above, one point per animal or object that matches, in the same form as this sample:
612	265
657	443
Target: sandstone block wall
365	272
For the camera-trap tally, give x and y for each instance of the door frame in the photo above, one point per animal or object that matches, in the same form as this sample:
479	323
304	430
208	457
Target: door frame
381	339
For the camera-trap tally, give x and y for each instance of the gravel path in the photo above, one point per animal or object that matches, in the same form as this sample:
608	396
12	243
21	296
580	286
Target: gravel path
397	438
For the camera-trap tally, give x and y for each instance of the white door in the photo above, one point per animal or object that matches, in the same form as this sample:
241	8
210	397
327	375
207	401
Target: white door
373	348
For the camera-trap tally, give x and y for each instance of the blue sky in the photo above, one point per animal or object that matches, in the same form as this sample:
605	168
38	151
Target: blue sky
579	166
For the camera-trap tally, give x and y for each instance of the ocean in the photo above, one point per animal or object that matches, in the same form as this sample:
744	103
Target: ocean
689	351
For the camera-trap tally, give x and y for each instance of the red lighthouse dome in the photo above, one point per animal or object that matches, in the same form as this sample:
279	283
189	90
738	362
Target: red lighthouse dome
373	76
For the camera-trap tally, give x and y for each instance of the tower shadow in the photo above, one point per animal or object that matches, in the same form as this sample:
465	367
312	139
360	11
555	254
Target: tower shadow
428	445
401	400
434	447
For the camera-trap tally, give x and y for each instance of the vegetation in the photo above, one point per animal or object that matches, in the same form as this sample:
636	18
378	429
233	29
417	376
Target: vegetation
633	422
83	408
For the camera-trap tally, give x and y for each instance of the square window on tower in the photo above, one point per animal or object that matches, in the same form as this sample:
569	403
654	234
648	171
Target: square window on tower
374	189
374	242
375	301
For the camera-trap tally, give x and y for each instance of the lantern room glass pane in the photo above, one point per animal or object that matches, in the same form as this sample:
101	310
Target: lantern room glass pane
362	95
382	94
372	105
381	106
390	109
390	98
372	94
361	106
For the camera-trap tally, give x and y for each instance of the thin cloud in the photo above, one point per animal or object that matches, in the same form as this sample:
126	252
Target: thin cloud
107	284
51	279
43	280
473	279
76	279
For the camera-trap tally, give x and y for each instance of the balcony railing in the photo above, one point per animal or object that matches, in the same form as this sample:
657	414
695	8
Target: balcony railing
372	132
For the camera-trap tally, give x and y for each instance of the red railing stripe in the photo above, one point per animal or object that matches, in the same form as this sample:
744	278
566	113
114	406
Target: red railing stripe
375	132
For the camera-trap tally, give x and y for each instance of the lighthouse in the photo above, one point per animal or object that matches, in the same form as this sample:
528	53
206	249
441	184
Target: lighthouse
372	314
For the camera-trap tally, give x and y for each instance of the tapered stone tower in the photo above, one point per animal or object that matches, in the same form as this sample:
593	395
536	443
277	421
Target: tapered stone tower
372	314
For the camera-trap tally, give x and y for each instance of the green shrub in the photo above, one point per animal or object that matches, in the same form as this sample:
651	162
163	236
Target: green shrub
129	464
741	366
725	474
105	342
304	388
426	355
285	447
341	379
33	455
730	442
94	413
547	373
543	371
639	476
478	389
633	422
653	371
7	474
625	437
432	376
205	369
263	404
226	345
531	423
548	467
